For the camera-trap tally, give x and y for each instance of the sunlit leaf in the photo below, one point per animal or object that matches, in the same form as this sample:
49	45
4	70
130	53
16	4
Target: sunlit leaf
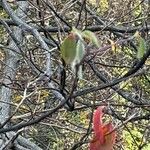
68	48
80	52
141	45
141	48
78	33
137	34
113	45
73	48
91	37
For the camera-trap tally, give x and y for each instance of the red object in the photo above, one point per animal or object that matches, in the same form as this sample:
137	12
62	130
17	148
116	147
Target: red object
102	140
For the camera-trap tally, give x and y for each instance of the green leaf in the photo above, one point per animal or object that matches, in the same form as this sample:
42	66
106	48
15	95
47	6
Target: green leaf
80	52
68	48
141	47
91	37
77	32
73	48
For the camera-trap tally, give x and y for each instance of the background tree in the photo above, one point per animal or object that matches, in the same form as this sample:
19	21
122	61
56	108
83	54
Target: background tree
44	104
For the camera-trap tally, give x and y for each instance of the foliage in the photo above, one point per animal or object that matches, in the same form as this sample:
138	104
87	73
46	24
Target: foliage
73	48
103	138
77	57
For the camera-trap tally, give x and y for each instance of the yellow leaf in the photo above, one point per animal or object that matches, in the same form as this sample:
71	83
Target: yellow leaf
113	45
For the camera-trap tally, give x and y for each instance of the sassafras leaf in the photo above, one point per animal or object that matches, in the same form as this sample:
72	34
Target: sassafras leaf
141	48
141	45
91	37
80	52
103	138
68	48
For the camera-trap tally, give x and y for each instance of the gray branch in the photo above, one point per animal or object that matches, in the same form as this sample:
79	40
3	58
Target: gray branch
9	73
